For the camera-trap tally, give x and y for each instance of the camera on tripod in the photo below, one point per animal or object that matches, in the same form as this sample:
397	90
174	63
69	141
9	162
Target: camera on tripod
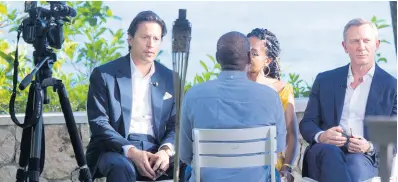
43	29
46	23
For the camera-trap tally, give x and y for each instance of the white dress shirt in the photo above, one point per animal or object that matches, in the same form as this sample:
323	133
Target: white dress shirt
355	101
141	114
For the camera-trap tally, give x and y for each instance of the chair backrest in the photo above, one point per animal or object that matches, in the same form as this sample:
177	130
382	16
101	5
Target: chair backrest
211	144
394	168
306	179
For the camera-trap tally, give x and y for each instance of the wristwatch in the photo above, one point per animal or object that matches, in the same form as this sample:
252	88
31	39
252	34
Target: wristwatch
371	149
168	151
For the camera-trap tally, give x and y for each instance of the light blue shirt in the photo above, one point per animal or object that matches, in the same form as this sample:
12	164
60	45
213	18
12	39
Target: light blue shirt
232	101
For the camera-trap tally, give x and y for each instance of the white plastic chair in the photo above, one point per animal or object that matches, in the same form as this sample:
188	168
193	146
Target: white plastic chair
307	179
104	179
219	148
394	170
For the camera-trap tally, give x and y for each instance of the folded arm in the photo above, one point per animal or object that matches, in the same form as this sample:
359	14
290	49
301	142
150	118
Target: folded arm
98	115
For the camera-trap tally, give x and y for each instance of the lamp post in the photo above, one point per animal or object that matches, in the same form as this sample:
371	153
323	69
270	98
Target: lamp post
181	38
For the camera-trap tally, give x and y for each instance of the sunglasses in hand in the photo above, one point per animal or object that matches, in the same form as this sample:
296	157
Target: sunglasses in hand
159	173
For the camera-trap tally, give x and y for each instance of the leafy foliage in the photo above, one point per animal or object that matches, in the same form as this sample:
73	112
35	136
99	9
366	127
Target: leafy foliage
380	24
91	23
84	47
212	71
208	73
299	89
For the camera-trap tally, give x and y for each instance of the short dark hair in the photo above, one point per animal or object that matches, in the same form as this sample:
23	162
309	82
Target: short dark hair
272	51
145	16
233	51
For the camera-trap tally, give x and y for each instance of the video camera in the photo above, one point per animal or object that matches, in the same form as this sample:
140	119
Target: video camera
46	23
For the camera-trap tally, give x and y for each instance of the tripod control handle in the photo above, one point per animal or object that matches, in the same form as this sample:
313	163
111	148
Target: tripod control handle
25	82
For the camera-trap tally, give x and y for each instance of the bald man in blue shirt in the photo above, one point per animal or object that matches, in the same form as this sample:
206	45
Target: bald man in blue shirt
231	102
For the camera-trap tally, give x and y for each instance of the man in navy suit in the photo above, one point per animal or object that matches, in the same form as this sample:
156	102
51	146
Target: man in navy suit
131	109
340	99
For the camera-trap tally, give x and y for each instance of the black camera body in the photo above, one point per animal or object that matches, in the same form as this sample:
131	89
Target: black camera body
44	27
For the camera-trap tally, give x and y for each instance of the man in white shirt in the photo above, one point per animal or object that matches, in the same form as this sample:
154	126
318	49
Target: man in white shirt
333	123
131	109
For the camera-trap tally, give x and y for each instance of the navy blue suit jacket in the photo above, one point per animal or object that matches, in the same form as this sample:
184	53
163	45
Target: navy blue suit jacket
325	104
109	107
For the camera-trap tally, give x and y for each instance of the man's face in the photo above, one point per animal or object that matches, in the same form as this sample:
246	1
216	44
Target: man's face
146	42
361	44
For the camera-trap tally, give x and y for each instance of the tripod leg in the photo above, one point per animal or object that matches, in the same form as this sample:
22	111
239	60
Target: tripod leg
84	174
24	154
36	144
43	149
25	140
34	161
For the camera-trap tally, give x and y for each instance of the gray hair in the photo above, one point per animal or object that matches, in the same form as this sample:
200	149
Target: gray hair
358	22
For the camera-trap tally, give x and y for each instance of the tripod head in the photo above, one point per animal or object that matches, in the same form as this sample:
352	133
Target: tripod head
44	29
44	26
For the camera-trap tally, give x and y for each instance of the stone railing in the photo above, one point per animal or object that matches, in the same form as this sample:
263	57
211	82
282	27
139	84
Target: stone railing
60	158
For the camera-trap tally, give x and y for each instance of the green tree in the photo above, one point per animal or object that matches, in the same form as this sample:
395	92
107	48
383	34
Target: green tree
7	55
393	9
85	46
380	24
91	23
208	73
300	87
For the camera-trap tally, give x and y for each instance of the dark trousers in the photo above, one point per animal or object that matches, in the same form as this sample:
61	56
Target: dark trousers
118	168
329	163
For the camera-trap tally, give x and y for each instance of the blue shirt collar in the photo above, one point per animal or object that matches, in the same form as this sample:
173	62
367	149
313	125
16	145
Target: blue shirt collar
229	74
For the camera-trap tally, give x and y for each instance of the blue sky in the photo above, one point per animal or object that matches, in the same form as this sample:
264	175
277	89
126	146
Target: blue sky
310	33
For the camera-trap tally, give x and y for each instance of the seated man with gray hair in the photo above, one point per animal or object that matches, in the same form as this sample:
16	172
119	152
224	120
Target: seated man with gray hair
333	123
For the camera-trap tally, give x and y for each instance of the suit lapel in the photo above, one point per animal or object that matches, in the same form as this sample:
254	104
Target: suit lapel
374	92
125	89
340	86
373	98
157	92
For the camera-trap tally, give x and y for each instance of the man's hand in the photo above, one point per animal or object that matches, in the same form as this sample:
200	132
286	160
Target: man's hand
141	160
358	145
162	161
333	136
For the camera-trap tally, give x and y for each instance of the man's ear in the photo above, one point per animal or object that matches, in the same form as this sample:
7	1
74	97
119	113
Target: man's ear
344	46
129	39
377	44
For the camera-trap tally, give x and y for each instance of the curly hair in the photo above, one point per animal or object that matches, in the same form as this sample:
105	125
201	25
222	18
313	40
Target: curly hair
272	51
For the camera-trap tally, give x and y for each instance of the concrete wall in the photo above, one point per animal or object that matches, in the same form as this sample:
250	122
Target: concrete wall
60	158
